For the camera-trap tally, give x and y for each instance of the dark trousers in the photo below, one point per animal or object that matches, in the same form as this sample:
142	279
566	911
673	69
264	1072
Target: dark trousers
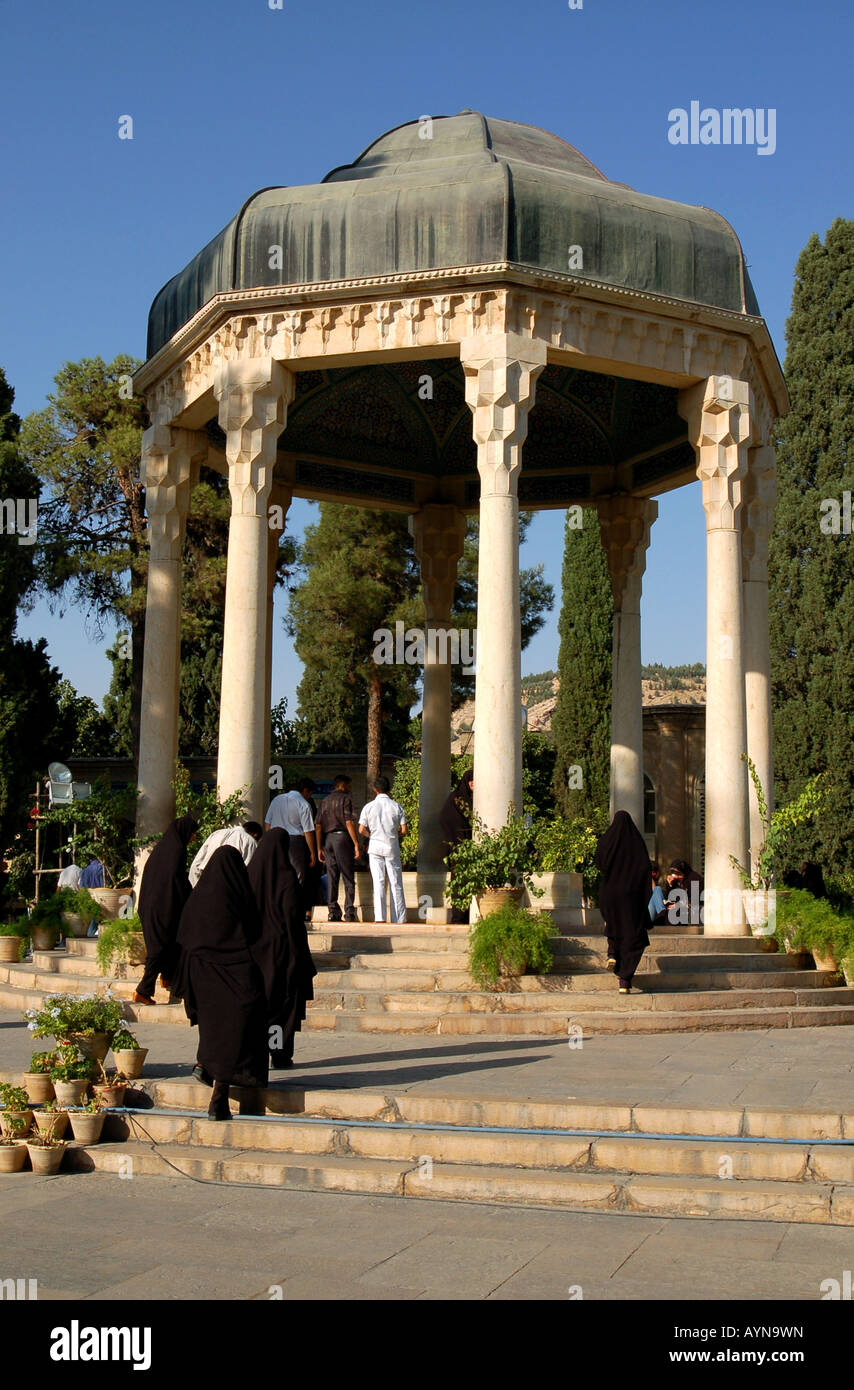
340	864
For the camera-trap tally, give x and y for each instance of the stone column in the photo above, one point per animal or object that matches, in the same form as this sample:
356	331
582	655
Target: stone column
500	371
760	496
719	413
280	501
253	397
170	469
625	523
438	532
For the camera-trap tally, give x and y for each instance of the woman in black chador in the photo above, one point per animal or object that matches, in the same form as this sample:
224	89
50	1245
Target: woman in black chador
624	894
163	892
282	953
220	980
455	821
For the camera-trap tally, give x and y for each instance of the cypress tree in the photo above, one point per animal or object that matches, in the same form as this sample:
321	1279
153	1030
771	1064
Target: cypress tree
581	723
811	562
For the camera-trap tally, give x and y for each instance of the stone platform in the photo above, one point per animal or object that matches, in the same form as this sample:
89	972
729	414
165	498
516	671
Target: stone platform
375	978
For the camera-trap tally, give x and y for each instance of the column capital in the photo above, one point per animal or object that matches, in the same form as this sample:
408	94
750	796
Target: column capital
501	371
170	463
438	531
625	523
720	413
760	498
253	395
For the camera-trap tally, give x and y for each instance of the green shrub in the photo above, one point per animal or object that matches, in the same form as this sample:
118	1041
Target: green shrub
41	1062
61	1015
71	1066
124	1040
568	845
115	941
512	938
492	859
20	928
13	1097
813	923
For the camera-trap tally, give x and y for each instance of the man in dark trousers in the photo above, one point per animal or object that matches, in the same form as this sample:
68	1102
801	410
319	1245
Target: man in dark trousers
338	847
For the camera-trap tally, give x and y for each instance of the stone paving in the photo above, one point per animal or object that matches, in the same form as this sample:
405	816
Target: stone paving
95	1235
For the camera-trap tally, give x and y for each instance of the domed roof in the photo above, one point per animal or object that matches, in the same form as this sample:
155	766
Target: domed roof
463	190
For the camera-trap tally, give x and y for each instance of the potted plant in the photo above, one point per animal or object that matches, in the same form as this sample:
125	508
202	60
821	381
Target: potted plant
13	1154
87	1122
120	940
110	1090
78	910
46	924
14	940
104	824
37	1079
128	1054
71	1075
812	924
509	941
494	866
51	1121
45	1154
87	1020
16	1115
759	897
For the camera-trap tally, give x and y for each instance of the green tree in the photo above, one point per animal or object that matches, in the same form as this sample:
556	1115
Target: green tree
811	568
85	448
581	724
33	728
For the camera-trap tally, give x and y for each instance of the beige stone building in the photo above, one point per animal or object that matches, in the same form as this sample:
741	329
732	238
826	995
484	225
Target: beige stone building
469	317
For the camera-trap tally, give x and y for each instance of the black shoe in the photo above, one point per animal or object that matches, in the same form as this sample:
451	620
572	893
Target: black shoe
278	1061
350	916
218	1108
200	1075
334	915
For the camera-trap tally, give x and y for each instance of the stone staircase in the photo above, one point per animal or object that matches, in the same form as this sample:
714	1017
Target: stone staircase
414	979
750	1163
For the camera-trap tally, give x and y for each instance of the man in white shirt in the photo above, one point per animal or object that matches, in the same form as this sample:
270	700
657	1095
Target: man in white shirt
293	812
243	837
69	877
385	821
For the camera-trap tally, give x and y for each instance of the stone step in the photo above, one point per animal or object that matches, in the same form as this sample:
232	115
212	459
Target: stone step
60	963
580	981
591	1024
726	1160
811	1202
577	996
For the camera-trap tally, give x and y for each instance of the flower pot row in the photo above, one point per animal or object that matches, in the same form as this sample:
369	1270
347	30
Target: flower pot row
45	1159
40	1088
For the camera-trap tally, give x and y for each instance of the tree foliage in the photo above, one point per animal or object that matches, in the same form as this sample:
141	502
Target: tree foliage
810	568
581	723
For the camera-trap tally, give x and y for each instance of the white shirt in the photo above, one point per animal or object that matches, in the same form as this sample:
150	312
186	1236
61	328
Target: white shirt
233	835
383	817
290	811
69	877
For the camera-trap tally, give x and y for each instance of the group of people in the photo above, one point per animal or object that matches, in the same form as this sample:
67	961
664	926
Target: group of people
231	942
631	899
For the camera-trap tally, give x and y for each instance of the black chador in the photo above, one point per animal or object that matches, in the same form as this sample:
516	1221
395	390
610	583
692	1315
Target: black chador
163	892
219	979
624	894
282	953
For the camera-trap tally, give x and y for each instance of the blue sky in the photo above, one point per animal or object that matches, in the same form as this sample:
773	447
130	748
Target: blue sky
230	97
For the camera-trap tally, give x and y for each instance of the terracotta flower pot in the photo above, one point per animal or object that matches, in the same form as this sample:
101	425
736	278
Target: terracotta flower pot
824	957
70	1092
93	1046
86	1127
77	926
111	1096
52	1124
495	898
110	899
12	1157
39	1086
15	1124
46	1160
130	1060
9	947
43	938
